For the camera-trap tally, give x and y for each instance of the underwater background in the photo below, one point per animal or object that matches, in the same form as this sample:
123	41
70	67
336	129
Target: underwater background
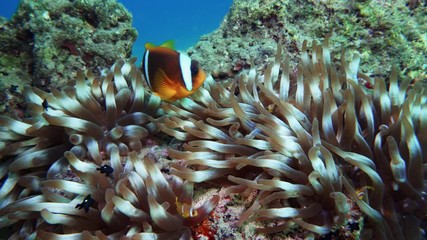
309	121
158	21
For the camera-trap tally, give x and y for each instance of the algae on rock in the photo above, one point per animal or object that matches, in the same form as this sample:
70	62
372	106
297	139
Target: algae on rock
64	36
385	32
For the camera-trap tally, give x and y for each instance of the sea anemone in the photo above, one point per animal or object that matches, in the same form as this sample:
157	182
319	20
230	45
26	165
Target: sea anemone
313	142
55	166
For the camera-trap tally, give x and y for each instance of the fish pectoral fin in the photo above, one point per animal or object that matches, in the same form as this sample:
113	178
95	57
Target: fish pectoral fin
164	87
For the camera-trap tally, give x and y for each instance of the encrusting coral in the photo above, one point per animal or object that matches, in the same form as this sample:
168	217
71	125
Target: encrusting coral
313	143
54	182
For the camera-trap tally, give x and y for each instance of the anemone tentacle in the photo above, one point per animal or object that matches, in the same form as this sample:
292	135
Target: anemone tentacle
306	140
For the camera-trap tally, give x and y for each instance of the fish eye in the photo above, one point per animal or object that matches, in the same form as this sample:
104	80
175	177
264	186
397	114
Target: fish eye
194	67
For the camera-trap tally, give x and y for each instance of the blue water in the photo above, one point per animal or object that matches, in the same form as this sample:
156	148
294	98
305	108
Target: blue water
184	21
158	21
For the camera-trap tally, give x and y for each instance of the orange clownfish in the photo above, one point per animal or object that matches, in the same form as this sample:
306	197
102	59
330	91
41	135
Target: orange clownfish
171	75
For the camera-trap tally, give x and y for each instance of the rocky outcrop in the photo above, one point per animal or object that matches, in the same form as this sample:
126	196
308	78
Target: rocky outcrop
49	40
385	32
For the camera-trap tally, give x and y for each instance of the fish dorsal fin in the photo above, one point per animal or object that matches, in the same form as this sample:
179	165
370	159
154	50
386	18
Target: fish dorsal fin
164	87
149	46
168	44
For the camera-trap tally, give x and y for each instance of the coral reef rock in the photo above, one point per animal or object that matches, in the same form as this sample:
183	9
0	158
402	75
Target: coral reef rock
382	31
15	56
52	39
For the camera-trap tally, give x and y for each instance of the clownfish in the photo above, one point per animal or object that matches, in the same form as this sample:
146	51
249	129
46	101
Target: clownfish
171	75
